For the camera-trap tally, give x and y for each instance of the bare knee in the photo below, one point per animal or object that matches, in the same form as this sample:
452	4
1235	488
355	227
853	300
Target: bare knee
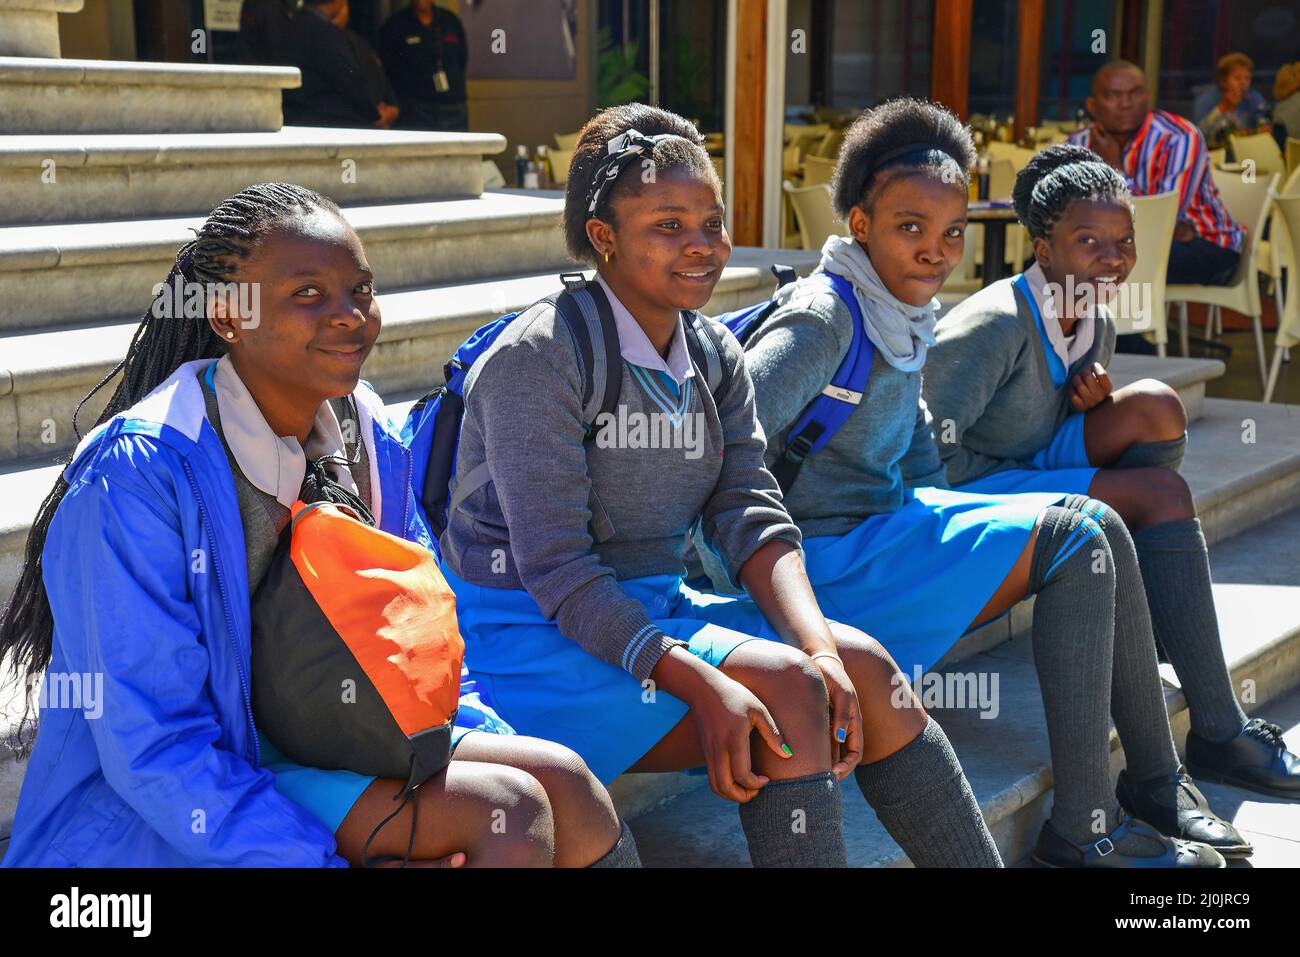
586	823
786	678
791	687
1157	409
515	823
891	713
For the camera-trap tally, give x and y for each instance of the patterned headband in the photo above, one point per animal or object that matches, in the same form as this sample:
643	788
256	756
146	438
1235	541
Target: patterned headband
621	151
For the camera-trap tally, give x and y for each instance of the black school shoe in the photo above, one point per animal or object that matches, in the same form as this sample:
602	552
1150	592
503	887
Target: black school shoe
1055	850
1156	801
1256	759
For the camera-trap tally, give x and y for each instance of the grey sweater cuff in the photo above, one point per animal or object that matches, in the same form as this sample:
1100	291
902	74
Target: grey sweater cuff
611	625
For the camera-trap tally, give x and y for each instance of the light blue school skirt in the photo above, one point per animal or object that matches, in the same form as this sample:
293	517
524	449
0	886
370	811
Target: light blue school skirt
915	579
547	686
1060	466
329	795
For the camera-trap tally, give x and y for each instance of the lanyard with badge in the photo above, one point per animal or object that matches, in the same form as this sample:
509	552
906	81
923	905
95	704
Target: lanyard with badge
440	82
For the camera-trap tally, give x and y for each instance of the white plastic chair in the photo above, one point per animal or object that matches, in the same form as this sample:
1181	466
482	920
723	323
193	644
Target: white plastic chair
1288	323
1154	218
1262	149
1248	204
817	170
813	213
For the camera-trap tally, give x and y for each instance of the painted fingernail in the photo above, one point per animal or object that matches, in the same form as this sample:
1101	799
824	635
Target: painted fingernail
786	749
841	735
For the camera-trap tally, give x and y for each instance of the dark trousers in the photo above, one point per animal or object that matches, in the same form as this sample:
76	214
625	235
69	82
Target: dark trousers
1201	262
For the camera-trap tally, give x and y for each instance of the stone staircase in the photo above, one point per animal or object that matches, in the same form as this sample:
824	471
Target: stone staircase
104	168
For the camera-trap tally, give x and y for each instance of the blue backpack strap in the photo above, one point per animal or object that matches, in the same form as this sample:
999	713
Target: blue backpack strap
831	409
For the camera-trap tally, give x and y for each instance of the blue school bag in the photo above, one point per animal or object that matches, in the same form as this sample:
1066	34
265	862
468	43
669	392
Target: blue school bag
823	416
432	428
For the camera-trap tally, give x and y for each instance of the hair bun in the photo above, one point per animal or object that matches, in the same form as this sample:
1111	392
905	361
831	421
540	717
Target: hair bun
1040	165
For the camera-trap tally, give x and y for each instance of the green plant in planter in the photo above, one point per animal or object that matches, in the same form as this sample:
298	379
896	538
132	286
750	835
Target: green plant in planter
618	80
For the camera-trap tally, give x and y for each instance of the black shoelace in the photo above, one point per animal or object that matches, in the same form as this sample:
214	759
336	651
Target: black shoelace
1267	732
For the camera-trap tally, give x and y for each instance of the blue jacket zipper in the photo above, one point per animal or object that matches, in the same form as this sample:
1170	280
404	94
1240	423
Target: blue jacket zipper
230	620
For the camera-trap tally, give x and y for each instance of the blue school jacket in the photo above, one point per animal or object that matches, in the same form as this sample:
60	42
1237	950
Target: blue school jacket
146	574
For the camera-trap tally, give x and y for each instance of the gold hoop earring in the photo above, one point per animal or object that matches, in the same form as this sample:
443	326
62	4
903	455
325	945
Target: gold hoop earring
606	258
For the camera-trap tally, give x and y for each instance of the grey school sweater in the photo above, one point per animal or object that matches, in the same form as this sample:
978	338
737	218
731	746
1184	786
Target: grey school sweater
989	387
532	526
886	441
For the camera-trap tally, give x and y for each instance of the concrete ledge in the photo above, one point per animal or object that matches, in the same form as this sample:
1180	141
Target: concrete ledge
106	96
50	371
66	274
133	176
30	28
22	70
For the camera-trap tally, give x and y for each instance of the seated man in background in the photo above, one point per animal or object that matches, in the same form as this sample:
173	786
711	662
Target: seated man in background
1158	152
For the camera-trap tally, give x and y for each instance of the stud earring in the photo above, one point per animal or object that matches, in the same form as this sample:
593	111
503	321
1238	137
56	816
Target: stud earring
230	335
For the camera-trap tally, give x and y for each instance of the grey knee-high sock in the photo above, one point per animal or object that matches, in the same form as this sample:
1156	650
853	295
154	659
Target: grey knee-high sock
1072	578
1176	574
1167	454
623	853
921	795
1137	698
798	822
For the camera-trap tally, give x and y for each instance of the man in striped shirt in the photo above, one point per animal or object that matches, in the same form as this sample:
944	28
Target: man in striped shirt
1158	152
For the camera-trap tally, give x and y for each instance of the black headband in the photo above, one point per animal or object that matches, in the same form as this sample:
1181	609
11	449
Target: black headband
898	152
620	151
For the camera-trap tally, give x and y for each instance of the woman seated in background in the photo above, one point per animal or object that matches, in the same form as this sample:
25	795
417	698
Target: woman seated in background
1022	403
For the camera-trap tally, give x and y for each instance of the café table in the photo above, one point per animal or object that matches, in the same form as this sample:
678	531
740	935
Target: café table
994	217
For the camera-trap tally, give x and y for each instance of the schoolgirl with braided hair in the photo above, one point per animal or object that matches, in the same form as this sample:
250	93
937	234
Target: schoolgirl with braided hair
1018	388
140	567
891	550
569	564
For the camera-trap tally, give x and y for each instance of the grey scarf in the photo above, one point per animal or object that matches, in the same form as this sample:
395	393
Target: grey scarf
901	332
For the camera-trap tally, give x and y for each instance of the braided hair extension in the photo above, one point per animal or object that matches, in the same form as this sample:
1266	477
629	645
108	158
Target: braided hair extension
1058	176
160	345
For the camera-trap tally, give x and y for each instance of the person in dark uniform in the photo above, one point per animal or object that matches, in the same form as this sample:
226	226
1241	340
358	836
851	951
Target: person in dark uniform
373	79
424	51
334	90
263	28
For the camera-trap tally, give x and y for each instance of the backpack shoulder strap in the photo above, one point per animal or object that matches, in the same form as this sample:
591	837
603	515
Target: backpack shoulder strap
585	309
705	346
824	416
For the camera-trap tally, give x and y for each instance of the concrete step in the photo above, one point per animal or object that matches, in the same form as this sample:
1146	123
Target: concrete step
67	273
1187	376
42	95
44	374
683	824
421	328
58	178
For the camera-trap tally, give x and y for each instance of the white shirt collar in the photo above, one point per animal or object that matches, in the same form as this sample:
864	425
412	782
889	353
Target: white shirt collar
1077	347
275	464
635	346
